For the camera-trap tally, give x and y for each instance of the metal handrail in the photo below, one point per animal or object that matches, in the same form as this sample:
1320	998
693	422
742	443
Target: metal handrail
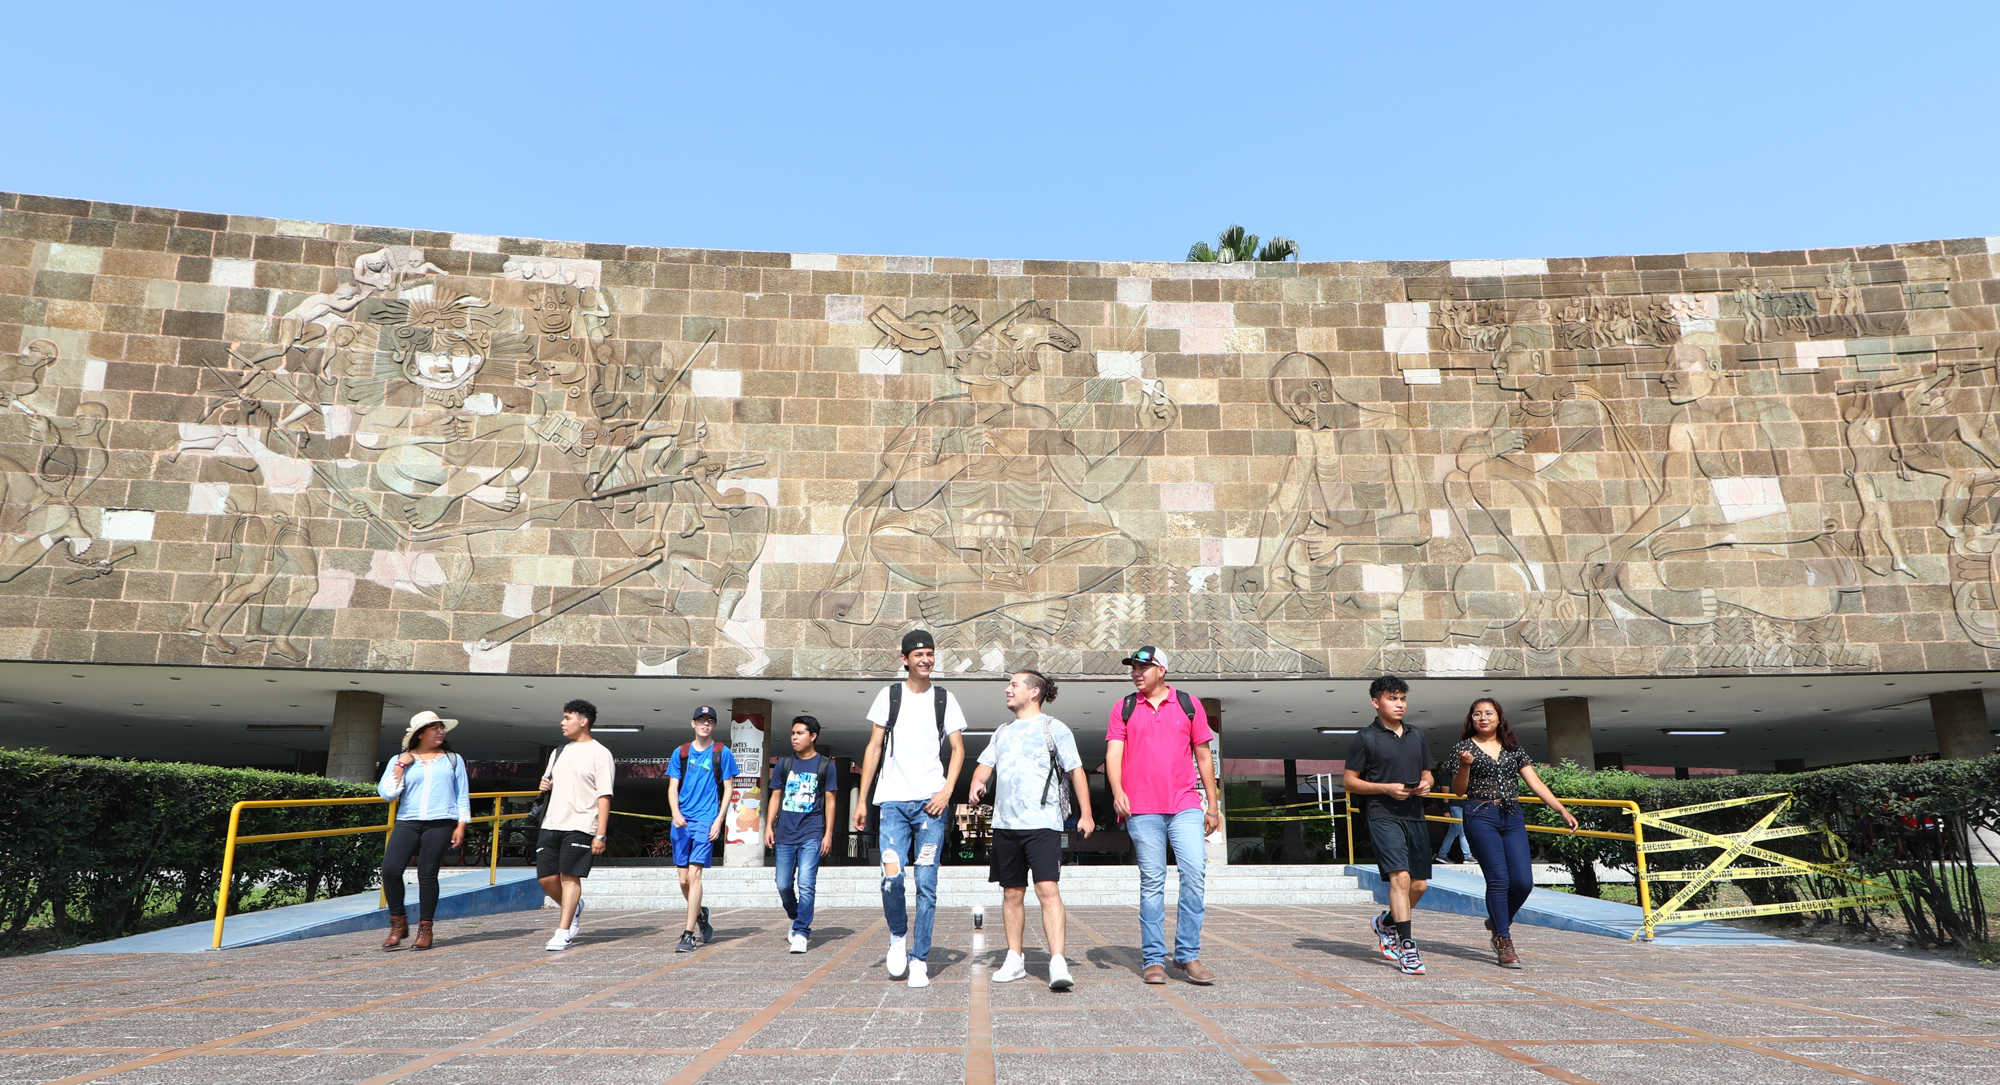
1637	836
389	826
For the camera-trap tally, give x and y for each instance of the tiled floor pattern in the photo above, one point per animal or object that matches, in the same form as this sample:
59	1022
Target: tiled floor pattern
1302	998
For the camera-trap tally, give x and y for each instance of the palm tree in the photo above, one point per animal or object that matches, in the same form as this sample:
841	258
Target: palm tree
1234	244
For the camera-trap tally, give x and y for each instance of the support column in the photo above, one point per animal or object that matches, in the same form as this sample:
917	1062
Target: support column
749	740
1960	718
356	736
1218	841
1569	731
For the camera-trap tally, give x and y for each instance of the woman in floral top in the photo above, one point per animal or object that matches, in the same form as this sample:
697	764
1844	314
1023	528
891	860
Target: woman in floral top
1491	765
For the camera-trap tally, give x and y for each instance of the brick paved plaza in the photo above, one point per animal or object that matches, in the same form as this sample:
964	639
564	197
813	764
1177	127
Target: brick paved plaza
1301	998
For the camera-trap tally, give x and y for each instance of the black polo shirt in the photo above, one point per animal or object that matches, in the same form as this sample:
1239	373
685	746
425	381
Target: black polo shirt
1380	757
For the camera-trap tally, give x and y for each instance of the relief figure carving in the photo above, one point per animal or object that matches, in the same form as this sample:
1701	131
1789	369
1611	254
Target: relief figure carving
985	503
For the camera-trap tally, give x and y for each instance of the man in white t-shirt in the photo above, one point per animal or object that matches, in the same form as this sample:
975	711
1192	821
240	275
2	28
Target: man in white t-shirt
912	719
579	779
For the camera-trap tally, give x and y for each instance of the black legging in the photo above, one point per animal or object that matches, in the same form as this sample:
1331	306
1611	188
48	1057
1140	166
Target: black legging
427	840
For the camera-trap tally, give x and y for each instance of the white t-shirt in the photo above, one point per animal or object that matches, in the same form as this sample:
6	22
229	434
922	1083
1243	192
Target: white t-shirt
912	769
583	771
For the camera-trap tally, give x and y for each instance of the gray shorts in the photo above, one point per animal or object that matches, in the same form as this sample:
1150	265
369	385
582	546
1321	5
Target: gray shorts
1402	845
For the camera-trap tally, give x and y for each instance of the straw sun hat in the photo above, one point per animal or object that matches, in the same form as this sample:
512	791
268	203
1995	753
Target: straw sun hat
422	720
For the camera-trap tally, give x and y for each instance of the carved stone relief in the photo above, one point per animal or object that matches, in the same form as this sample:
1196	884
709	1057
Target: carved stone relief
727	465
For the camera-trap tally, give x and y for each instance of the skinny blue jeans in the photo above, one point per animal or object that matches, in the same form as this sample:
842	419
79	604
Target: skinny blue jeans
1151	834
907	832
1498	835
800	863
1454	832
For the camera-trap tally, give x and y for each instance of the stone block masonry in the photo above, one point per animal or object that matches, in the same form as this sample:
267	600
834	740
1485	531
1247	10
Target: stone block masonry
249	442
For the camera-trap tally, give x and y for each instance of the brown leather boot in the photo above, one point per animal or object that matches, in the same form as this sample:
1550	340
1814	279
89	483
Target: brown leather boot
399	929
1504	948
423	935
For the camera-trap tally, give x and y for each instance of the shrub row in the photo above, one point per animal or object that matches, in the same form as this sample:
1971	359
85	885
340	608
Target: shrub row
99	845
1905	824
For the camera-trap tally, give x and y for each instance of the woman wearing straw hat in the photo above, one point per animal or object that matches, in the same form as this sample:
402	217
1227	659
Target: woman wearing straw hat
437	804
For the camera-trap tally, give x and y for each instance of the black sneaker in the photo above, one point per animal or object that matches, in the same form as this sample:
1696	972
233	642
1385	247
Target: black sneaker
707	932
687	943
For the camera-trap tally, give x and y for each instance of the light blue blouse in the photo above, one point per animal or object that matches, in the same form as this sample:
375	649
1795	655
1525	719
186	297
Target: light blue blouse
434	790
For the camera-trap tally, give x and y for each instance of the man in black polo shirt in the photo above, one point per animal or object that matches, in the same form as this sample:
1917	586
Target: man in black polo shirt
1389	766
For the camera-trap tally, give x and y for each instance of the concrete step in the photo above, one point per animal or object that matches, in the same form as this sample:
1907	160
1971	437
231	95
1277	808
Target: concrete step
860	887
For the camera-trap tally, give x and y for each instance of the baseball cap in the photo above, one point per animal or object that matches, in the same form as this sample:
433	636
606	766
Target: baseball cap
704	712
918	638
1147	655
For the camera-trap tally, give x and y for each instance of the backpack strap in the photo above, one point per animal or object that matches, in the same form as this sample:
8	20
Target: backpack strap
1187	704
939	699
715	763
895	710
1054	779
1127	706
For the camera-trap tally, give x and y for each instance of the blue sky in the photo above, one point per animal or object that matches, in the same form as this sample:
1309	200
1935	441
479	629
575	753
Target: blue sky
1072	130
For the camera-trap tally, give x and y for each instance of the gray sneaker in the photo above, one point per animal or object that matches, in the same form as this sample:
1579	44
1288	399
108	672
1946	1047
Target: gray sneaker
687	944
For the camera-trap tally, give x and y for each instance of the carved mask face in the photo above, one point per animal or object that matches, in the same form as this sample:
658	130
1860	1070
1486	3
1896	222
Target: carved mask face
442	370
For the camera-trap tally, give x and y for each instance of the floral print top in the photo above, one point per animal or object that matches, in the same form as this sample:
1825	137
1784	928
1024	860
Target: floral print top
1490	779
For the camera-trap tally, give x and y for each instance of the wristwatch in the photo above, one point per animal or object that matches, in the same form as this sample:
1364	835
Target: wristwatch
599	836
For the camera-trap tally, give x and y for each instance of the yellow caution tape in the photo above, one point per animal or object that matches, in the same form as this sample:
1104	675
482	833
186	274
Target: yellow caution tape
1721	804
1736	874
1776	833
1728	856
1748	910
1735	846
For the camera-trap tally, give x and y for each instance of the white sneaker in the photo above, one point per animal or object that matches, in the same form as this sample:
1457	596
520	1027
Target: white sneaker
899	957
920	974
798	943
1011	969
560	940
1059	975
576	919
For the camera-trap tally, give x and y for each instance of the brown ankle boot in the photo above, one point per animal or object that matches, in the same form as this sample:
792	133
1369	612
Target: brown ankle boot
1504	948
399	929
424	935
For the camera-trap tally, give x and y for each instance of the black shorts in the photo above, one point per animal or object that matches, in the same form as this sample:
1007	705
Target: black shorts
1016	851
1401	845
562	852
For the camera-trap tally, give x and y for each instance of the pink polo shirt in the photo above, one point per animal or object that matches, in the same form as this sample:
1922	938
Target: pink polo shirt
1159	776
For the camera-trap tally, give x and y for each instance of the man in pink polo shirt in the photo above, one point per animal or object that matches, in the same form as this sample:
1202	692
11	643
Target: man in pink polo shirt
1157	738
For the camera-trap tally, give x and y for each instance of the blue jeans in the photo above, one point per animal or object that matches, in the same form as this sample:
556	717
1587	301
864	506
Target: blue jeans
800	861
1454	833
906	831
1498	835
1150	834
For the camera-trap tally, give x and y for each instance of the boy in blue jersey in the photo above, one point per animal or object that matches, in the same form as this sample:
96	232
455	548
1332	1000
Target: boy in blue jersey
699	789
804	788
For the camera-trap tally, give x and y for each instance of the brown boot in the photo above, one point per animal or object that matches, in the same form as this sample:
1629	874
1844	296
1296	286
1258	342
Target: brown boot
423	935
399	929
1504	948
1196	972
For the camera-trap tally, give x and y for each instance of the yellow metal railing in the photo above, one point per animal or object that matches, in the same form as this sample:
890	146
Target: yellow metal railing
1637	836
389	825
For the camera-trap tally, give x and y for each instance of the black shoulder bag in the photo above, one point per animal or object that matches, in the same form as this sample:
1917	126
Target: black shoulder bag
541	808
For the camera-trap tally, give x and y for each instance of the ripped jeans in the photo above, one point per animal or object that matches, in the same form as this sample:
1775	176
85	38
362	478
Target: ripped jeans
910	837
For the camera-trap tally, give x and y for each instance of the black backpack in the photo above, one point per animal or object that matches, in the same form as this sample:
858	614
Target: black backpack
714	760
1131	704
896	709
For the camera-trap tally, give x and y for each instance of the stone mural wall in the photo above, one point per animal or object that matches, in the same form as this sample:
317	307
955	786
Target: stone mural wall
241	441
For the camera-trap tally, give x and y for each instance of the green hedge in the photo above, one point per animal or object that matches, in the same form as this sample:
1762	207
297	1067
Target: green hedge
102	847
1900	823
